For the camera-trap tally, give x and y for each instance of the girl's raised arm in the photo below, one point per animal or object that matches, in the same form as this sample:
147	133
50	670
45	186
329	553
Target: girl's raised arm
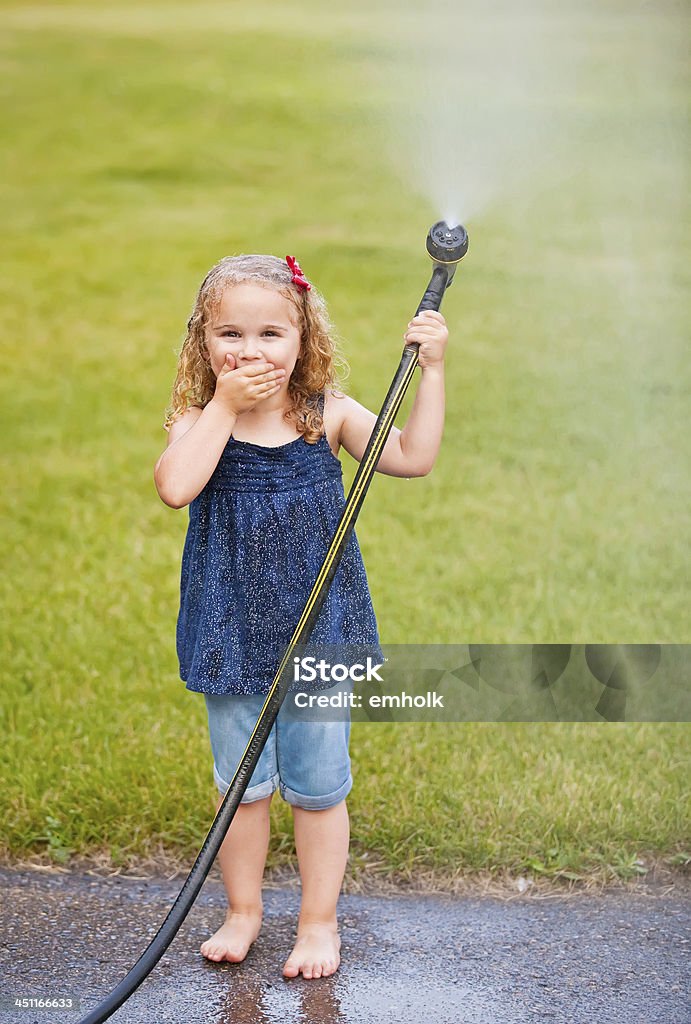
408	452
413	450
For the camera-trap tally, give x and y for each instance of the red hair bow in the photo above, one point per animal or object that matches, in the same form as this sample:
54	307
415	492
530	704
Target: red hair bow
298	277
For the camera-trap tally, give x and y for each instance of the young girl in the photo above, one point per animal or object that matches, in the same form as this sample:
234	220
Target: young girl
255	426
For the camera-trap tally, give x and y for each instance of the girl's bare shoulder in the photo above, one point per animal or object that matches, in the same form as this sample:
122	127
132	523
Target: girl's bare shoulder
183	423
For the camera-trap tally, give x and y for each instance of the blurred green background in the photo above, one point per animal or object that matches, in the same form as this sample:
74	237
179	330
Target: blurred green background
141	143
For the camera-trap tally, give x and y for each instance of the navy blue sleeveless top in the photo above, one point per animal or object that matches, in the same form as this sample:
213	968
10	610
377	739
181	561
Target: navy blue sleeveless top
257	536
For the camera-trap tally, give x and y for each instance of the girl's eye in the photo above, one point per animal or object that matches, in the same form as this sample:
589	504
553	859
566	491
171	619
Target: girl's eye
228	334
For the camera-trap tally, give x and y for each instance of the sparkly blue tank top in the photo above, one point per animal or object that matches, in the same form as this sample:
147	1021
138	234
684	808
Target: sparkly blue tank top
257	536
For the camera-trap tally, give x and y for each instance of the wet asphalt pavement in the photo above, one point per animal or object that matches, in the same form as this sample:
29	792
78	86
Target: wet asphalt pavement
583	959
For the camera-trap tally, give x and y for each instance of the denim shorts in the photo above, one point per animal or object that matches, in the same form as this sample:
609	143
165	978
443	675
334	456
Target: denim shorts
307	761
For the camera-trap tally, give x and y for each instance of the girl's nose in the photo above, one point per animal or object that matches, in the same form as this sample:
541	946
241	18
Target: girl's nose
250	350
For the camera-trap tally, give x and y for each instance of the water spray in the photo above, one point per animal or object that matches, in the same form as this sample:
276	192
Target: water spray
446	245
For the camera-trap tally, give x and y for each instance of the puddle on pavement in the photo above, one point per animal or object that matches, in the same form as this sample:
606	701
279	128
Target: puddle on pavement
353	998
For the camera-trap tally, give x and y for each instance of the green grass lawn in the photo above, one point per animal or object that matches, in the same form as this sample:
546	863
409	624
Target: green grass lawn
142	142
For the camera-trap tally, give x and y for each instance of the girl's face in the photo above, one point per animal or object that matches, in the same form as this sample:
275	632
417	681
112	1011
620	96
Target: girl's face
255	324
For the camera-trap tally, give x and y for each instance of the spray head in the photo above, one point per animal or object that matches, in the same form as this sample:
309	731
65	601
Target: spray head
447	246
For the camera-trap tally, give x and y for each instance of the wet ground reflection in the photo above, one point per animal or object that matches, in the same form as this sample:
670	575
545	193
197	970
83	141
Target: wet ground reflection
404	959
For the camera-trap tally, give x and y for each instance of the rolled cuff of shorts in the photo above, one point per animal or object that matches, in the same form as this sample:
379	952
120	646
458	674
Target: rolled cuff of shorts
317	803
252	793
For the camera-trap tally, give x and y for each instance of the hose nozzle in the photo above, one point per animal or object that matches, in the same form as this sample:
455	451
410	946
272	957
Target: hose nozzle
447	245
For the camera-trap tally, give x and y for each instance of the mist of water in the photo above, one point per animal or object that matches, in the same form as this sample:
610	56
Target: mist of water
471	110
498	104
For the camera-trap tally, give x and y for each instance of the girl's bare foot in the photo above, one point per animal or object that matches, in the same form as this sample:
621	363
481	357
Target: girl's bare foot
316	952
234	938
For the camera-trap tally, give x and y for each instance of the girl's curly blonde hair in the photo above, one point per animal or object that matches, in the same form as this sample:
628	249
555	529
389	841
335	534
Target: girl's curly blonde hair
320	363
